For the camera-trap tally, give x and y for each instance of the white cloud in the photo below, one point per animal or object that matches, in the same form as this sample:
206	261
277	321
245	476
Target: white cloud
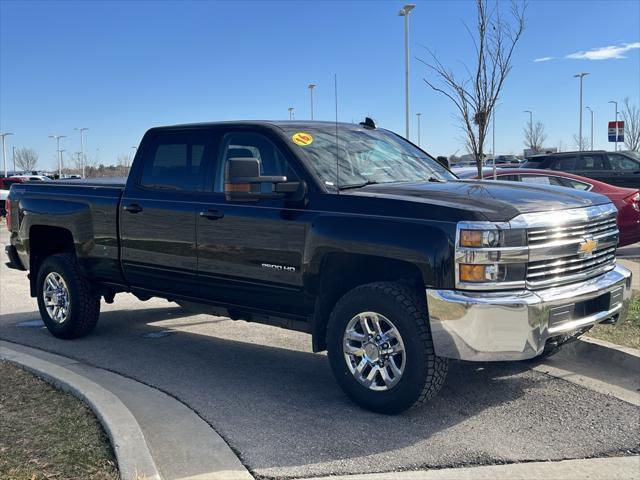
543	59
604	53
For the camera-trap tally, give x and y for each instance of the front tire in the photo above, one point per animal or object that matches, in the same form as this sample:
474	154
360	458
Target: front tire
68	305
380	348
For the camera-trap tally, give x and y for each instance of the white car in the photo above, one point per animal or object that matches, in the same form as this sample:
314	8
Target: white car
33	178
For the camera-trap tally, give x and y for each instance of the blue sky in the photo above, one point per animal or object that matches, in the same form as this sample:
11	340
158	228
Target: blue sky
121	67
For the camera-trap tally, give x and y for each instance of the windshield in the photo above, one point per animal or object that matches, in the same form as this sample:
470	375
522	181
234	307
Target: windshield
366	156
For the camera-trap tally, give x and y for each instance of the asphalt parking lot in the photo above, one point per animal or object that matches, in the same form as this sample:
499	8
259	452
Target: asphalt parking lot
279	408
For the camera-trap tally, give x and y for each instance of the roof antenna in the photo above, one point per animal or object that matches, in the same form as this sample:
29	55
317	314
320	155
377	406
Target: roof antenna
335	85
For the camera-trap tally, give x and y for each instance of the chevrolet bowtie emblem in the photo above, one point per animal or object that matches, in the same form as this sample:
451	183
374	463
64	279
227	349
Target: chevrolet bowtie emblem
587	246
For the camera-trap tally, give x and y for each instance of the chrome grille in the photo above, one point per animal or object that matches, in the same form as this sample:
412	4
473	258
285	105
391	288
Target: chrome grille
554	251
578	231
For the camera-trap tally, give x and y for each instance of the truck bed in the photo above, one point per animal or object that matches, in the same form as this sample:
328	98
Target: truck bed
88	209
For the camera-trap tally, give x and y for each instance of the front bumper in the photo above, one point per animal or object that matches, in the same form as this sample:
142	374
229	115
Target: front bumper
497	326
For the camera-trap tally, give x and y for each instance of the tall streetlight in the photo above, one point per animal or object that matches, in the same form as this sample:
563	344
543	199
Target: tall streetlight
493	142
580	76
311	87
290	113
589	108
616	129
82	130
13	156
4	152
61	162
58	137
418	115
404	12
530	117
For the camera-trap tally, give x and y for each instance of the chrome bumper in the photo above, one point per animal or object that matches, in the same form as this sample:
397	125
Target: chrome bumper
486	326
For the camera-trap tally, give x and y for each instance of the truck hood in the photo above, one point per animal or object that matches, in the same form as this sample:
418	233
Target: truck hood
495	200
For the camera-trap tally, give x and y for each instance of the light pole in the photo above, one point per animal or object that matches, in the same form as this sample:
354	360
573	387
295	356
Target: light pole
82	130
58	137
404	12
13	156
493	145
589	108
418	115
4	151
616	125
290	113
61	162
311	87
580	76
530	125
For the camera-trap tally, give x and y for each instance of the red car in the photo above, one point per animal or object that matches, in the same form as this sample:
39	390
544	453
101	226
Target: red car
626	200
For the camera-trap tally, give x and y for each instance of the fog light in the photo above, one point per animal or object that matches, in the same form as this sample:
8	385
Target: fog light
472	273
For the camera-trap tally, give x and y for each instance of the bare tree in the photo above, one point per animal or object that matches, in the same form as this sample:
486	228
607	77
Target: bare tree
578	143
631	117
476	92
534	136
26	159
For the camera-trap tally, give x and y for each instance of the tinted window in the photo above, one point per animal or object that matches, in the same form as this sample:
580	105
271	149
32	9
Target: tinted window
620	162
175	161
564	164
254	145
589	162
510	178
571	183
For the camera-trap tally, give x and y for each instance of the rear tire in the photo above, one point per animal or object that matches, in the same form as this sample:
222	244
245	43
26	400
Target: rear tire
417	373
68	305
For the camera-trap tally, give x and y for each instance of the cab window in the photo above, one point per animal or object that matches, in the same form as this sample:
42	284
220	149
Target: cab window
175	161
253	145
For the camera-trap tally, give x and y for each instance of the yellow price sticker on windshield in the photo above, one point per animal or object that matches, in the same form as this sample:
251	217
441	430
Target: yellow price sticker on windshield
302	138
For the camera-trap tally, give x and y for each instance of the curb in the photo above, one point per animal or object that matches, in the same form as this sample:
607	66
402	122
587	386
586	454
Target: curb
129	445
615	468
606	352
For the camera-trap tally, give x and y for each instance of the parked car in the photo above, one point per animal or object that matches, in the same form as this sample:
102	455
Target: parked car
615	168
626	200
3	197
32	178
357	237
6	182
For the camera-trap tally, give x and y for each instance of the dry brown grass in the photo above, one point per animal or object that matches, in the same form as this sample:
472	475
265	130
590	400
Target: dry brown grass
625	333
48	434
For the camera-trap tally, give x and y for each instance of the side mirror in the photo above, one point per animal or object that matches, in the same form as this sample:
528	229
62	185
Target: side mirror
244	183
444	161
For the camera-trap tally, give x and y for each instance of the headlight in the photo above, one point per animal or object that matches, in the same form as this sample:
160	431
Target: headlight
490	256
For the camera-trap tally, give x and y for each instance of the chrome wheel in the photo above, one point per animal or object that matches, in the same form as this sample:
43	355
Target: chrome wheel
374	351
56	297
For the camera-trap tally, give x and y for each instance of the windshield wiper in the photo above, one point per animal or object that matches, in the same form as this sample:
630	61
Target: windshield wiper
359	185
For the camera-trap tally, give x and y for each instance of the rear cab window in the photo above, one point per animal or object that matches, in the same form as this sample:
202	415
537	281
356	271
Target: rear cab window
176	161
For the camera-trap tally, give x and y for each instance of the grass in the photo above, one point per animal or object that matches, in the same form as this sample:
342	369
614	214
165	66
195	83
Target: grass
48	434
625	333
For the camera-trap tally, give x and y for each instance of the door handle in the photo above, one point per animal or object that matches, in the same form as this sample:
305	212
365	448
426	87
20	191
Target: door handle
133	208
212	214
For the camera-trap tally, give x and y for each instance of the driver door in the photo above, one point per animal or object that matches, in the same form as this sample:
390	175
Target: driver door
250	253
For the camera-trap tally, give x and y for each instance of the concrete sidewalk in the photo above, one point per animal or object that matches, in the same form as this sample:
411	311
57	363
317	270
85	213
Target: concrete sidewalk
153	435
621	468
634	266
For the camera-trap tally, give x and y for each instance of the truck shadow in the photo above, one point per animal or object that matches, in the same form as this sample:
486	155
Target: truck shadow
281	409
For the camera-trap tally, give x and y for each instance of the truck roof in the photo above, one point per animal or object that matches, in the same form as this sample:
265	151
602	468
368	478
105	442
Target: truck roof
283	124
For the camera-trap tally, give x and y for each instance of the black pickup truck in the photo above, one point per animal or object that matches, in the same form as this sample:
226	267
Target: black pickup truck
347	232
